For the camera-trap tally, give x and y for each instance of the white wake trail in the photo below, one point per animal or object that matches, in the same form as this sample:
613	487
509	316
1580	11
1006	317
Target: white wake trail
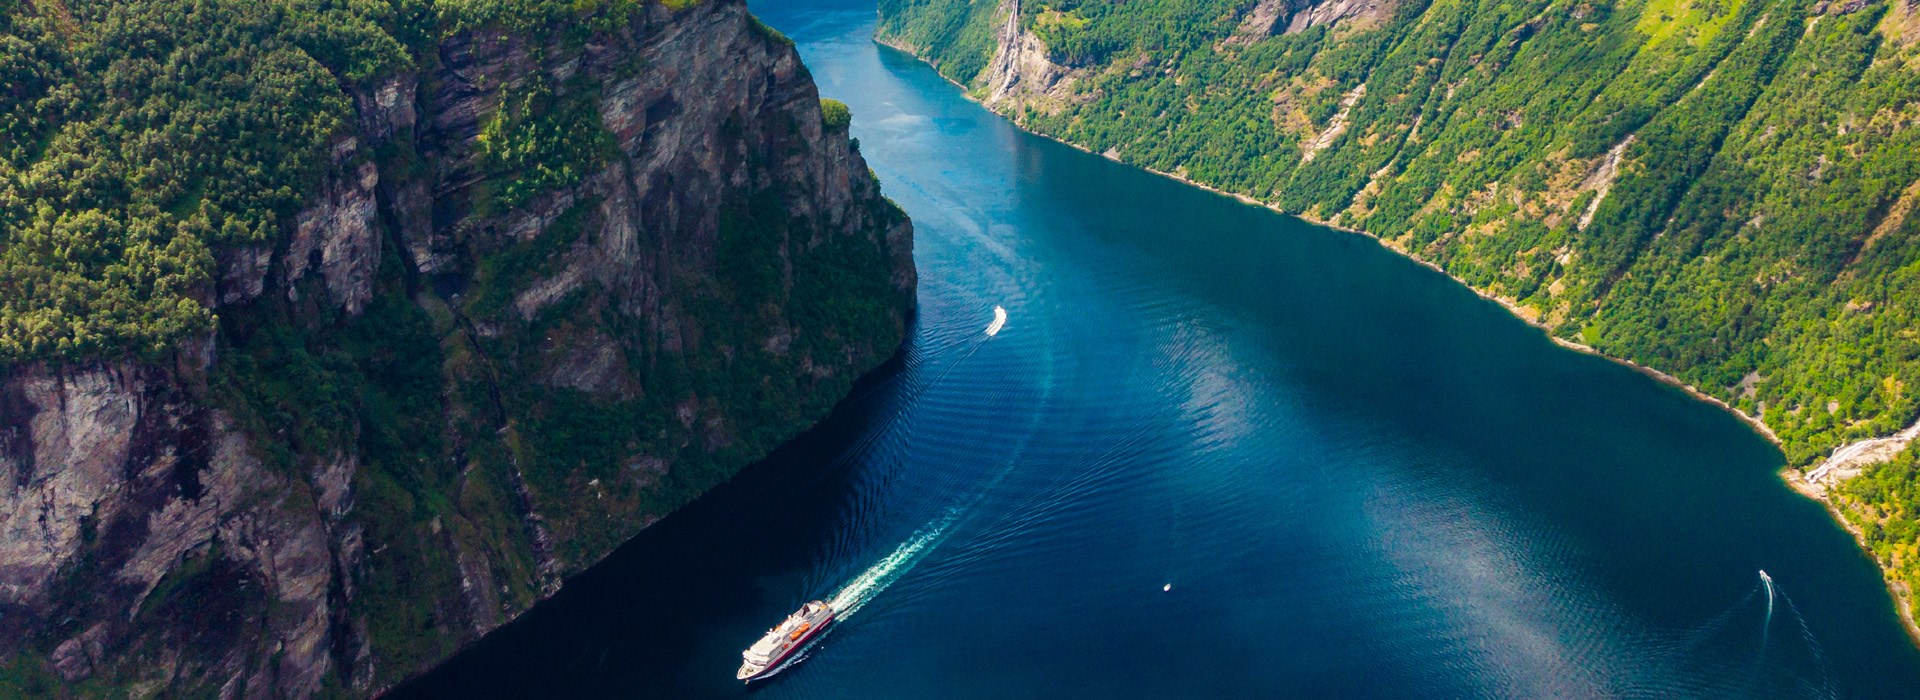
1764	578
863	588
855	595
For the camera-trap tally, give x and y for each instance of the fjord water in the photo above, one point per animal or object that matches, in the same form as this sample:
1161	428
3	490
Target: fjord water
1357	477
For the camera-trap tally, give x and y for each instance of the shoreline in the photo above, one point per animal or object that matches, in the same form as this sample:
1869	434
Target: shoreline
1902	600
1513	309
1752	422
1793	477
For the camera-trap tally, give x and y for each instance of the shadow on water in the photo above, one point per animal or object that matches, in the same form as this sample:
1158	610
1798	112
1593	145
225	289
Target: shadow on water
701	564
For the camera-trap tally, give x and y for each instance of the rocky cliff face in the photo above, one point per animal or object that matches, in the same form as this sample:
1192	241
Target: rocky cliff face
1272	17
437	395
1021	74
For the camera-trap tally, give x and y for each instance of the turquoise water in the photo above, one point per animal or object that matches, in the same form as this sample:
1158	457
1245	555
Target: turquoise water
1215	452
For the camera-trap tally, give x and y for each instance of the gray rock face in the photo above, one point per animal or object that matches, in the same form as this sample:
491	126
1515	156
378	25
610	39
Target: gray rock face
65	447
1021	72
338	237
1022	77
114	476
1335	12
148	540
1263	20
1275	17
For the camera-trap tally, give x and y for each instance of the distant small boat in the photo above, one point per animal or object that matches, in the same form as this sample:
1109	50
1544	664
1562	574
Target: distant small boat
999	320
765	657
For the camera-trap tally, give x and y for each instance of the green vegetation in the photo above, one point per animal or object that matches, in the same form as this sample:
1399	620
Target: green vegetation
309	390
28	676
142	140
834	114
1733	242
1880	504
595	463
136	136
540	17
956	36
1698	23
538	142
503	272
1757	239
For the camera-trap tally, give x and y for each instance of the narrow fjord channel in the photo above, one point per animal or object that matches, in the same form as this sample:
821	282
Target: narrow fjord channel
1215	452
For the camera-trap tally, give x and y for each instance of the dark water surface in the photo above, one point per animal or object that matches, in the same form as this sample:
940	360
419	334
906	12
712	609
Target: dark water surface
1359	478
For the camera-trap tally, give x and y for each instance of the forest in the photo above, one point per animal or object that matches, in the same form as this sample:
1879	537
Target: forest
138	138
1718	189
142	141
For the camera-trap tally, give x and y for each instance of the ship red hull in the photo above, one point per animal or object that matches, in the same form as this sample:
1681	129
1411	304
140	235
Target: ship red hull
774	666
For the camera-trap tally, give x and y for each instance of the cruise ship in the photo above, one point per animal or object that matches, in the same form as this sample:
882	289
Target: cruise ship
784	640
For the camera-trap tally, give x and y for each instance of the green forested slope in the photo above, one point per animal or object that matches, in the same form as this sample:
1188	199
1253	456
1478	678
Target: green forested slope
1756	241
136	137
127	148
371	320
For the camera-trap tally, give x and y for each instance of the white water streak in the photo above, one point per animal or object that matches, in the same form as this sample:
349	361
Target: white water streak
999	321
1764	578
863	588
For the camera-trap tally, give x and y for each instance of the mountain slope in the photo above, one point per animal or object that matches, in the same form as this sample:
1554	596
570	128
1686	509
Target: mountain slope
334	335
1719	190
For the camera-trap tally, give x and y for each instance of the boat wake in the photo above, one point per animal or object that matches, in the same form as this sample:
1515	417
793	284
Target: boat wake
863	588
855	594
1768	624
1782	660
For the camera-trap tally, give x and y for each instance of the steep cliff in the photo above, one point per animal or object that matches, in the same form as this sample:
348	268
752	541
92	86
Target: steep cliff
1719	191
557	272
1021	75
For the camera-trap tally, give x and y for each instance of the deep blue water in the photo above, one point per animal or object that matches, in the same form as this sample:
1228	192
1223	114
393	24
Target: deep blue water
1358	478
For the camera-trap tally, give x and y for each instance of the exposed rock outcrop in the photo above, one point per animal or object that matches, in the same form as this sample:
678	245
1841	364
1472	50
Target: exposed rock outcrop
338	237
1600	181
1332	13
119	489
1275	17
1848	461
1265	19
1022	75
243	517
1337	126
